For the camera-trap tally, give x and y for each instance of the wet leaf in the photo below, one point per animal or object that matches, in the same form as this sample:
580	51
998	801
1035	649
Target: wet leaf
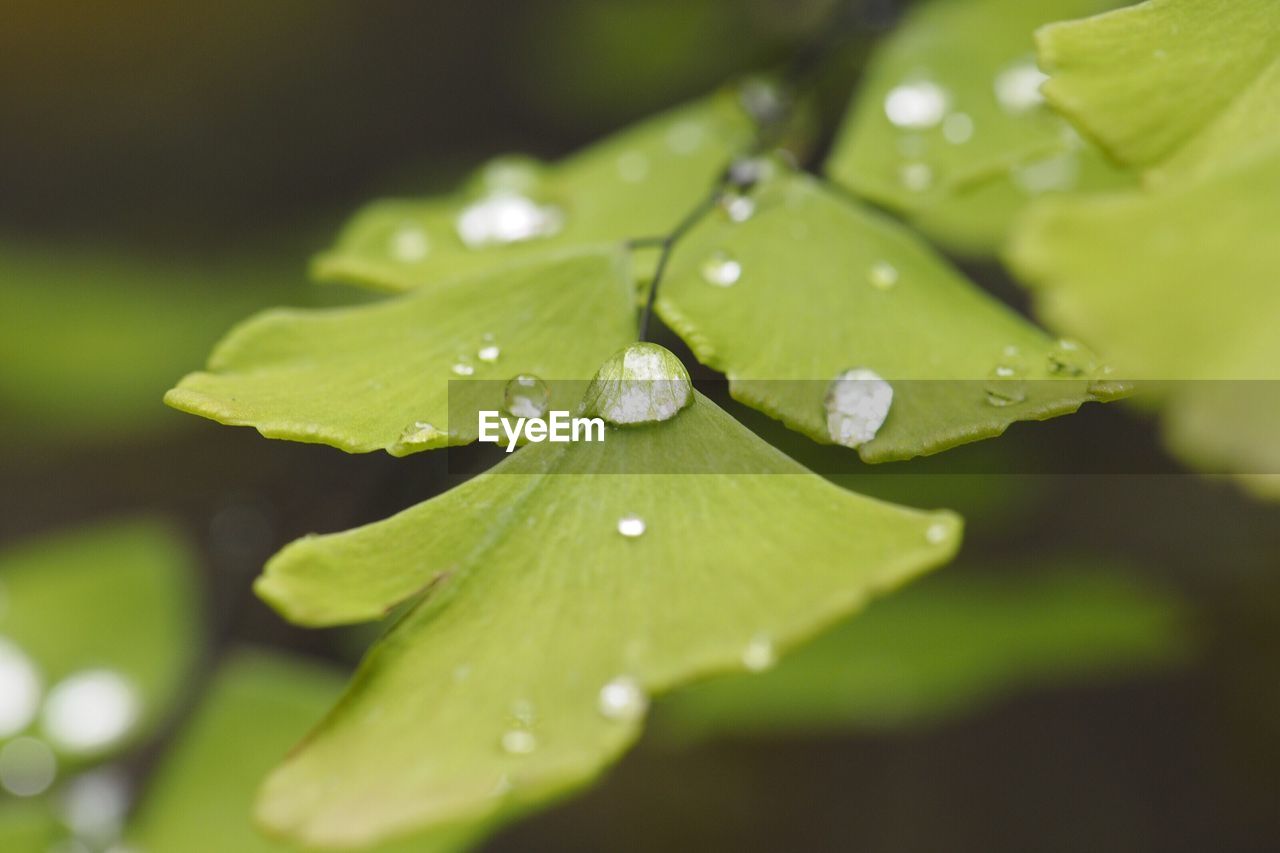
546	615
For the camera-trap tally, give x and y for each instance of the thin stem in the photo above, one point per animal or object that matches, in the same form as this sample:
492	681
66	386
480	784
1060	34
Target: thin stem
668	244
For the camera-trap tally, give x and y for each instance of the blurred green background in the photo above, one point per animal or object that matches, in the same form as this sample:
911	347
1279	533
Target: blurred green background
1096	672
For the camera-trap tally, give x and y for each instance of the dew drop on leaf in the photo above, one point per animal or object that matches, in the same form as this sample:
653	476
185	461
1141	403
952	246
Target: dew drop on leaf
957	128
518	742
623	700
409	244
737	207
526	396
936	533
463	368
916	104
631	526
721	269
1017	87
19	689
641	384
685	137
759	654
1067	359
27	767
489	353
763	99
506	217
633	166
883	275
916	177
418	433
89	710
857	404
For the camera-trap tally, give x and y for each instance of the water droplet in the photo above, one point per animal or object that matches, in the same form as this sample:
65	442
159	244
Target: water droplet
409	244
737	207
90	710
518	742
1057	173
622	699
721	269
857	404
19	689
489	353
1006	393
916	177
685	137
631	526
759	654
1068	359
526	396
27	767
506	217
937	533
643	383
883	275
1018	86
463	368
524	712
916	104
94	805
763	99
419	433
957	128
633	166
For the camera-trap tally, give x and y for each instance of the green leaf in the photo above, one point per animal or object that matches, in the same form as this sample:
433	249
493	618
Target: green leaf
27	826
805	307
638	183
1178	84
117	598
377	376
944	646
488	693
1176	282
948	127
257	707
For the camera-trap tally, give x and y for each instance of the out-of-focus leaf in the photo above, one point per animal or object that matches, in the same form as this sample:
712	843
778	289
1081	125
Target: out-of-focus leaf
90	340
822	286
545	621
638	183
377	376
26	826
948	126
108	617
1180	85
200	799
940	647
1176	282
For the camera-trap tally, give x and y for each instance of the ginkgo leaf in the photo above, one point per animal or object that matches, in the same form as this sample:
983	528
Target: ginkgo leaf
948	126
256	708
944	646
635	184
124	639
1183	85
821	286
553	598
1195	249
378	376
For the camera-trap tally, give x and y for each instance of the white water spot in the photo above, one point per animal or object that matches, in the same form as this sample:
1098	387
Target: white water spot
633	166
463	368
857	404
685	137
19	689
94	805
27	767
957	128
1017	87
489	353
90	710
916	104
883	275
506	217
759	654
917	177
643	383
937	533
631	526
409	244
737	207
526	396
518	742
721	269
622	699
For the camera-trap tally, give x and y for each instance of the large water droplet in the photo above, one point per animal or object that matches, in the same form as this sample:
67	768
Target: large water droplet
883	275
631	526
957	128
409	244
622	699
526	396
506	217
19	689
27	767
90	710
643	383
518	742
1018	86
721	269
759	654
916	104
857	404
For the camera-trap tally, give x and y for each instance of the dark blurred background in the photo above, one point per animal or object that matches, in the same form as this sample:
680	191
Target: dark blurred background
166	169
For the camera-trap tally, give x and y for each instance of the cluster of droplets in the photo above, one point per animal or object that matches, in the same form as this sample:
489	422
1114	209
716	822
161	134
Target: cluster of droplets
83	714
486	352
